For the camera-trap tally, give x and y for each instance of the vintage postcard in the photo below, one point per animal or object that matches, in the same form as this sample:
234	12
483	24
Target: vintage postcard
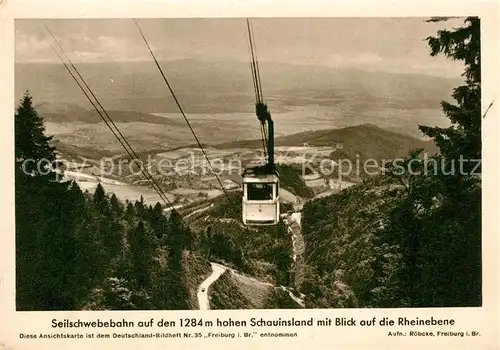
192	174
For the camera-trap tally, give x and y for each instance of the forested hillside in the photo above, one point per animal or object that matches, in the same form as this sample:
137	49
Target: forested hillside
412	236
79	250
75	250
290	178
264	252
226	294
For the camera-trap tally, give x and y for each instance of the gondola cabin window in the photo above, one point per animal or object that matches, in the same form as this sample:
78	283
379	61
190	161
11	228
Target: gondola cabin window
259	191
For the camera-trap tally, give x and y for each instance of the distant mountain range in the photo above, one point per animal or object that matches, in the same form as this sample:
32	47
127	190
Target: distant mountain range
226	87
310	104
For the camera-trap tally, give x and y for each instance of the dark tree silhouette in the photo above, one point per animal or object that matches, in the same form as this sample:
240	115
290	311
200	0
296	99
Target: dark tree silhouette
463	138
87	251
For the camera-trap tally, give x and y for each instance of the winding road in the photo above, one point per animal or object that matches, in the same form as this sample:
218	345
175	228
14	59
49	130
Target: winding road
218	270
294	225
203	301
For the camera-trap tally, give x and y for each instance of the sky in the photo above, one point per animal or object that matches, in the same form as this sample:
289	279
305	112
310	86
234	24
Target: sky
388	44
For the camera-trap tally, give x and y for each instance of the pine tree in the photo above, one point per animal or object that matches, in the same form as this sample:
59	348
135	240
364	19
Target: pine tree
141	250
181	236
34	154
437	223
463	138
116	206
179	241
129	214
48	213
140	209
158	221
57	246
100	199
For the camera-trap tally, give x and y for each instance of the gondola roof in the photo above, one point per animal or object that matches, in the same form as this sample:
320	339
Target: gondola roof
261	170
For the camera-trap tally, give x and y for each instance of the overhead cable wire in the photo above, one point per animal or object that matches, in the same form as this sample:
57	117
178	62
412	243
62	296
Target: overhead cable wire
120	137
181	109
135	157
254	66
257	72
256	93
255	88
256	82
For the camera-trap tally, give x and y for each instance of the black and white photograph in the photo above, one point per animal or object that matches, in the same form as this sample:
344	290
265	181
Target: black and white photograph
248	163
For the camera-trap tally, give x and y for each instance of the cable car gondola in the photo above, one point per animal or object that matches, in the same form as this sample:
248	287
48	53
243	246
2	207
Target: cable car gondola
260	204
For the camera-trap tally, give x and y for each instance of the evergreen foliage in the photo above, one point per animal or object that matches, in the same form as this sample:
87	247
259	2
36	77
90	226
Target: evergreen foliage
76	251
409	238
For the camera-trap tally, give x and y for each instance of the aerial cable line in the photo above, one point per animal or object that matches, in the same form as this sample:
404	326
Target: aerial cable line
253	75
256	91
180	109
100	105
135	157
97	109
148	178
155	186
263	136
255	88
257	72
104	119
254	64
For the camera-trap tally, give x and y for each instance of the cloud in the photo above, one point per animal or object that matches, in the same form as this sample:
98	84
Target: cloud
372	61
351	60
30	47
108	43
108	48
87	41
87	55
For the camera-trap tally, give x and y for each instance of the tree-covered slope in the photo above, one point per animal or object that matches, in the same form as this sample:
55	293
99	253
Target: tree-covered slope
78	250
265	252
410	237
340	233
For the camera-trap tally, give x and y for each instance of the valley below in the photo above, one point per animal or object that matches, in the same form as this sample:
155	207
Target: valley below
323	159
191	184
324	136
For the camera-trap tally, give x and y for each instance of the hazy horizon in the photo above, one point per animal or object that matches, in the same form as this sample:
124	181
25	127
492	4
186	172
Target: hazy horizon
227	60
316	72
395	45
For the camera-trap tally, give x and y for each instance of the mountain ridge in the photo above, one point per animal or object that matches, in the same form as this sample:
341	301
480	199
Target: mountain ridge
365	140
203	85
353	137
